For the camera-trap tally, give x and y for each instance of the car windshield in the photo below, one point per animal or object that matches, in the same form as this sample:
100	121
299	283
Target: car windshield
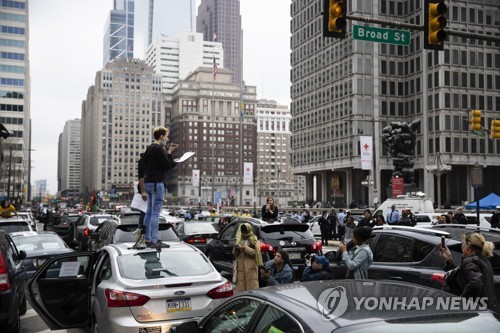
14	226
164	264
283	231
40	242
462	322
200	228
130	219
98	220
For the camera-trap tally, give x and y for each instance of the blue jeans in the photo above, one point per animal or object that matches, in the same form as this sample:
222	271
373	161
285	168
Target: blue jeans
156	193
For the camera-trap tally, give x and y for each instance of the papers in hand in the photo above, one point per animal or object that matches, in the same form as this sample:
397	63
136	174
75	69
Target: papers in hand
184	157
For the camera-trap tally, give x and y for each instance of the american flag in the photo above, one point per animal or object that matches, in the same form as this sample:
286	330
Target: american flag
215	70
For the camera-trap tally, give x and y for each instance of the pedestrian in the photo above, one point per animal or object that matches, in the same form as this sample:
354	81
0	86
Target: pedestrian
306	216
474	277
349	220
246	214
277	271
6	209
332	224
248	258
367	220
353	205
460	217
495	218
317	268
379	221
449	219
341	224
323	227
393	215
158	161
360	257
269	210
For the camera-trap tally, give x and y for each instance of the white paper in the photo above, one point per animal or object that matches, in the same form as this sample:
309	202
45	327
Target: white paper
69	268
138	203
184	157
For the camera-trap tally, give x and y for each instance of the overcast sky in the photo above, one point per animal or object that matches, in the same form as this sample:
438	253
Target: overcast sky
66	38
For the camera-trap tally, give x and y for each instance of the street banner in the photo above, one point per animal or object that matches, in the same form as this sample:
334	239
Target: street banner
398	186
196	178
366	143
218	197
248	173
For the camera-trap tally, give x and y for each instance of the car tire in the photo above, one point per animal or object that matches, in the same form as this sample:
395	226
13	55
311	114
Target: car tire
23	307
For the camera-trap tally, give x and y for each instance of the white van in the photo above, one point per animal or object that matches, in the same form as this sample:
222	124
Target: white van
417	203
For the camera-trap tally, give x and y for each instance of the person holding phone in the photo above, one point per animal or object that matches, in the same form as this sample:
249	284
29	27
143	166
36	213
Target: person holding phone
269	210
360	257
278	270
317	268
248	258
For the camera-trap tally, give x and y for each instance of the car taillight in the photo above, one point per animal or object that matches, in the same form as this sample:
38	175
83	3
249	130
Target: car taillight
266	247
4	274
439	277
196	240
224	291
86	232
117	298
317	247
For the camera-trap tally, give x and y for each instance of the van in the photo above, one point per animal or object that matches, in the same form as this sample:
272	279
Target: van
417	203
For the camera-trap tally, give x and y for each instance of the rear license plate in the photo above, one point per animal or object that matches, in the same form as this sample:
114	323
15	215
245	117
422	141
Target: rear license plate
294	255
178	304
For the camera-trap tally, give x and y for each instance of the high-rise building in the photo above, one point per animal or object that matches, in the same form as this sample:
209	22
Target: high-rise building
155	18
344	88
206	119
15	100
220	20
69	159
118	118
274	171
119	35
176	57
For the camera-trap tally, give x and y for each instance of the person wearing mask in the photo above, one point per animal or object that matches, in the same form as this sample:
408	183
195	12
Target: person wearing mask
248	258
323	227
393	216
277	271
367	219
6	209
474	277
269	211
158	161
495	218
360	257
460	217
317	268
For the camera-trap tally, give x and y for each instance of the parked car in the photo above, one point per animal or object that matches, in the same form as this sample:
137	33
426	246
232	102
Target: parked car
14	224
12	284
111	232
342	306
39	246
120	289
65	226
296	239
87	224
28	217
197	233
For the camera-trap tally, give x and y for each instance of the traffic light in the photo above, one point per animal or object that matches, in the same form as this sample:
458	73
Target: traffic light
495	129
334	18
434	23
475	120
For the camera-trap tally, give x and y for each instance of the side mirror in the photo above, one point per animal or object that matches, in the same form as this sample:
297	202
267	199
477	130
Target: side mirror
186	327
22	255
95	236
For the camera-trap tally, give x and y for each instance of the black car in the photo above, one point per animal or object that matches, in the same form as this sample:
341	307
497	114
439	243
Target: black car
65	226
12	284
110	232
344	306
296	239
197	233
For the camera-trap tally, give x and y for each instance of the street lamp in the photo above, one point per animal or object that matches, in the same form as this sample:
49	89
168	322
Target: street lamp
438	169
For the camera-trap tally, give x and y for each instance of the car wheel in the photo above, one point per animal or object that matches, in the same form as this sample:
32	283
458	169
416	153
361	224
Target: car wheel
23	307
209	256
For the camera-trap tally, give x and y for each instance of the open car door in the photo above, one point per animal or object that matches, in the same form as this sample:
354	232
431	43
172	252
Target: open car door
60	290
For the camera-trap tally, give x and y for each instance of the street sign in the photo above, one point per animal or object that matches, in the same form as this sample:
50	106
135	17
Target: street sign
381	35
477	175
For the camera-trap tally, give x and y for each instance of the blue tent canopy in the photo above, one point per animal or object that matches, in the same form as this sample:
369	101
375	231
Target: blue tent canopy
488	202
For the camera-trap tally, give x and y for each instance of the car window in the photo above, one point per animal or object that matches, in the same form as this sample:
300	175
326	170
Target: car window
393	248
200	228
274	320
13	253
229	232
232	317
72	267
14	226
104	269
98	220
38	243
421	249
164	264
422	218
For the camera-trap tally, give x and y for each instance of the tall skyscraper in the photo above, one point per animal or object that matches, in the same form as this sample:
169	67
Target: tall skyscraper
69	159
119	35
154	18
220	20
118	118
344	88
15	100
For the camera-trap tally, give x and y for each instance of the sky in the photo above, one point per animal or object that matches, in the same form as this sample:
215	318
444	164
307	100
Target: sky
65	52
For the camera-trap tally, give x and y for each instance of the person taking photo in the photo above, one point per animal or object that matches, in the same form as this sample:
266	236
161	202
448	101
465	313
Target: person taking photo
277	271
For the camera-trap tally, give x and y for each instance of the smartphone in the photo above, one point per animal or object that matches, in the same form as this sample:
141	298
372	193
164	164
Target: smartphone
443	242
307	257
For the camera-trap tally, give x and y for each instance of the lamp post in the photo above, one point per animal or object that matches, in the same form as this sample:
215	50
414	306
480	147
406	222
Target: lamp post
438	169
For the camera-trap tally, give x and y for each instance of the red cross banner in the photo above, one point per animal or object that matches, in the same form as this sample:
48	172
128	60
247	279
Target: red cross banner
247	173
366	144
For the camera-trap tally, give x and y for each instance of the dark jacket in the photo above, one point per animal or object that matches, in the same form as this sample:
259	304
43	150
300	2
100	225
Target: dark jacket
495	220
364	222
477	276
323	223
157	163
460	218
279	277
266	216
311	275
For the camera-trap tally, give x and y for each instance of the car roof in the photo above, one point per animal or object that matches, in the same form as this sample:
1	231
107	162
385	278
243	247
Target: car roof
127	248
456	231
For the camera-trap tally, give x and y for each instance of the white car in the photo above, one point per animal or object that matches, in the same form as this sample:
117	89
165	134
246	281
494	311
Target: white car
28	217
124	290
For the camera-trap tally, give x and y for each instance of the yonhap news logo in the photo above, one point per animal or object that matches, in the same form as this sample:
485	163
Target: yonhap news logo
334	302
